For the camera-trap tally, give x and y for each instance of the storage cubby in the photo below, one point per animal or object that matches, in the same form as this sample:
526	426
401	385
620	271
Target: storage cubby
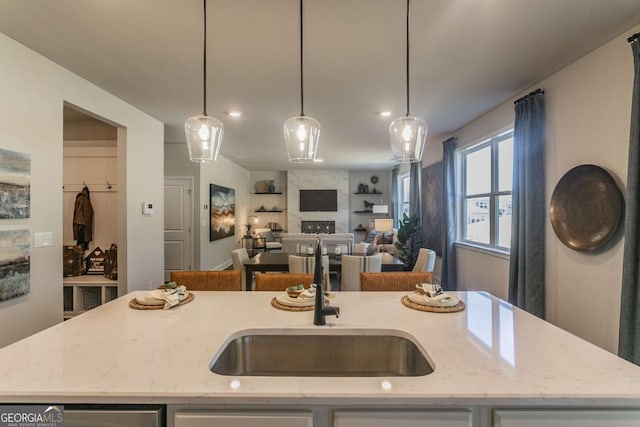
82	293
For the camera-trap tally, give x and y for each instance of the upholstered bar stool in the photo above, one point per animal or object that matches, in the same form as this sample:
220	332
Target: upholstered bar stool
393	280
224	280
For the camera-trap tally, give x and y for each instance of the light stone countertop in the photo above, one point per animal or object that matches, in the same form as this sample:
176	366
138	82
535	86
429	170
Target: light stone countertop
488	354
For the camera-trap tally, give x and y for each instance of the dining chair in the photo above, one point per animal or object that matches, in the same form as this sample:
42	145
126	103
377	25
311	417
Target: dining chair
307	265
239	257
225	280
393	280
426	261
353	265
281	281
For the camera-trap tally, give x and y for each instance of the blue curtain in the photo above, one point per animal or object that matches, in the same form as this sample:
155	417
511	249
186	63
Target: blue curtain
448	277
415	191
395	202
629	333
526	268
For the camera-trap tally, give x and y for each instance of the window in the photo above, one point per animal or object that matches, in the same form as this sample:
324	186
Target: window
487	178
403	182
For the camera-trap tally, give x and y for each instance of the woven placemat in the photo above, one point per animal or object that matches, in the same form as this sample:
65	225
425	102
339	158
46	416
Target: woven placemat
452	309
276	304
134	304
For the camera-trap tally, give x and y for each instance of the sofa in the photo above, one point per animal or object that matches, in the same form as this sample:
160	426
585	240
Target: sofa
382	242
298	242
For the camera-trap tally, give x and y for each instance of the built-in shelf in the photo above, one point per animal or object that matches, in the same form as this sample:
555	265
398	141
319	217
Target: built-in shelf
371	192
269	193
268	211
363	212
82	293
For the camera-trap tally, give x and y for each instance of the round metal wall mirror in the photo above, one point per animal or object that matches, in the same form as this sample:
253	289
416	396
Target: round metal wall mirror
586	207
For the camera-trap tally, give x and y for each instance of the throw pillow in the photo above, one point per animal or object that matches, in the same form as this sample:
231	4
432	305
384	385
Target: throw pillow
386	238
376	239
369	236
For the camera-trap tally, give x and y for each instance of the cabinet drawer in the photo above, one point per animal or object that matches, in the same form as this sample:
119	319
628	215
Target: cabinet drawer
566	418
243	419
434	418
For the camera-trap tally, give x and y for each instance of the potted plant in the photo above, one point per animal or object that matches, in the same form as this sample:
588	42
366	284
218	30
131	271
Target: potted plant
408	244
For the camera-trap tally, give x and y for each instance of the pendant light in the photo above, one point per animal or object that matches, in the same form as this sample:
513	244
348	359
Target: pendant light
408	133
204	133
301	133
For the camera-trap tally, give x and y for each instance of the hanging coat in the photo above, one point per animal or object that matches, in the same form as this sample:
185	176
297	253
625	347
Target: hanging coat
83	219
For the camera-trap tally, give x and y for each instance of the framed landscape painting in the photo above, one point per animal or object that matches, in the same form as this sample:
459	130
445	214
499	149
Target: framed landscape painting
15	184
222	211
14	263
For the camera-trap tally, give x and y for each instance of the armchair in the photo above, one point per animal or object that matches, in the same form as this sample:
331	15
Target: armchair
266	241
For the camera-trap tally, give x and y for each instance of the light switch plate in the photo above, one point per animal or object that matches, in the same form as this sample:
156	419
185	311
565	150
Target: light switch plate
43	239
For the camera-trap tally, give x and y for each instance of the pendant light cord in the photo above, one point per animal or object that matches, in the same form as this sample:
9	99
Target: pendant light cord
204	59
301	65
407	71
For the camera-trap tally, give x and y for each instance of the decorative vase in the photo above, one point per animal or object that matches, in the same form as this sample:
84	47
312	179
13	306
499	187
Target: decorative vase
272	186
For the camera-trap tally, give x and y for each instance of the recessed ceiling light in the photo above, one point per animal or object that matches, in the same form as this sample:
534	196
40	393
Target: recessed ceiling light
318	160
385	113
235	114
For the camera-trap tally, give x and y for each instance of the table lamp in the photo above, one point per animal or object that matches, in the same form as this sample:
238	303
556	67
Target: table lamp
251	220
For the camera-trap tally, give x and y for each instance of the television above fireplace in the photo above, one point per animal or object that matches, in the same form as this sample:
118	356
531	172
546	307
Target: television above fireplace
318	200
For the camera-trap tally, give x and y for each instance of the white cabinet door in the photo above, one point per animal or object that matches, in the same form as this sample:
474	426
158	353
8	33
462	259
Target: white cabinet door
243	419
435	418
566	418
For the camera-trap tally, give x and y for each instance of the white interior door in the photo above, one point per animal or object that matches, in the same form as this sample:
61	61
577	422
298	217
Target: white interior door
178	214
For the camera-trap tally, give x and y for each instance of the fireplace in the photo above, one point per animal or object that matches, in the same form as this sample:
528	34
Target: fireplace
318	227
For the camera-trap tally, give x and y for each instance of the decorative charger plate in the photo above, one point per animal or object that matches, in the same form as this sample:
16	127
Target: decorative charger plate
135	304
586	207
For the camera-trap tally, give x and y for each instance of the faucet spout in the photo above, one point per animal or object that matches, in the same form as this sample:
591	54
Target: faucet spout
320	311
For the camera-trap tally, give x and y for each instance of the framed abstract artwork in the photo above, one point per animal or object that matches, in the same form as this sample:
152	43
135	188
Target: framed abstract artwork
222	212
15	184
15	263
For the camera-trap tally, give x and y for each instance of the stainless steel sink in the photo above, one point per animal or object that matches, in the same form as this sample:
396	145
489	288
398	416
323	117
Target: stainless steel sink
327	355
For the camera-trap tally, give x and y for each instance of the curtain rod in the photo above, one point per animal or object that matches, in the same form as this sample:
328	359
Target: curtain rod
633	38
529	95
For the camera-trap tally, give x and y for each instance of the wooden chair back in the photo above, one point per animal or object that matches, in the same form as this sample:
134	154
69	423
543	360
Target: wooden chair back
393	280
225	280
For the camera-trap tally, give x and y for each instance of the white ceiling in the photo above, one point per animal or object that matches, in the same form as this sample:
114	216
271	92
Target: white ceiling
467	56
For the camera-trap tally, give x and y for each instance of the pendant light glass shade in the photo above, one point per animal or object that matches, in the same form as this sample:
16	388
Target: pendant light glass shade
204	137
408	135
301	135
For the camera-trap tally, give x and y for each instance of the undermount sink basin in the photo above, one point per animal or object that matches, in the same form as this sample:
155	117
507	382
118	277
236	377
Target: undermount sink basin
321	355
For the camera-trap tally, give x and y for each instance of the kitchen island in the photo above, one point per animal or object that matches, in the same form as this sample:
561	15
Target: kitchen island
493	365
